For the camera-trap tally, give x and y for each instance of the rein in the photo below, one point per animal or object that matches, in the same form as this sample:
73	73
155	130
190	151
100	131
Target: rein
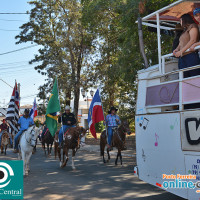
46	132
66	132
29	142
117	132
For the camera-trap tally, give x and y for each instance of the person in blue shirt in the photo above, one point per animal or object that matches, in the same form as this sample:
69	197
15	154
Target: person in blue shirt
112	121
24	122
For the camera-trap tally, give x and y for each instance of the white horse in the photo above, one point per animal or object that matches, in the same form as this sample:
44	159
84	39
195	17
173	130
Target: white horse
26	145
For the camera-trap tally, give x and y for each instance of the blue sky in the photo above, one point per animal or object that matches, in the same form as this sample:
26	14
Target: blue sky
15	65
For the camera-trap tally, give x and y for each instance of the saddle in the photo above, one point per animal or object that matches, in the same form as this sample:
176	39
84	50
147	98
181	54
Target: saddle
21	136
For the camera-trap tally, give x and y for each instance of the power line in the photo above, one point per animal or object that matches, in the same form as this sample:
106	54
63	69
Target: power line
14	13
18	50
12	20
14	62
8	30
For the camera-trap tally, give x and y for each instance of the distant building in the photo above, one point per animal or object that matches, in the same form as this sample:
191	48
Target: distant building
83	113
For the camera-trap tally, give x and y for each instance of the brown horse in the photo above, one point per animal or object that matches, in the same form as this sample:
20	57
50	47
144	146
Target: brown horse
47	139
71	141
4	142
118	140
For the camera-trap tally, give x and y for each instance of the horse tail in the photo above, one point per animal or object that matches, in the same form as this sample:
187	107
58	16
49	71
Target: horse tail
55	148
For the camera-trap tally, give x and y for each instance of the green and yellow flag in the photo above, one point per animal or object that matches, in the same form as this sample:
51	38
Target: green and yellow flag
52	109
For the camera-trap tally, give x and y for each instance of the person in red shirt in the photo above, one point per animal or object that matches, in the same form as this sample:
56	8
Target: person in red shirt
4	127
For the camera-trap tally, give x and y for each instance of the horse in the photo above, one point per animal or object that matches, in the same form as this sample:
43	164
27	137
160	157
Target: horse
71	141
26	144
118	140
48	139
4	142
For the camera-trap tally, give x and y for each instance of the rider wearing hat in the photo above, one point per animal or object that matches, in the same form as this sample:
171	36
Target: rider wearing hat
196	14
112	121
24	122
4	127
68	120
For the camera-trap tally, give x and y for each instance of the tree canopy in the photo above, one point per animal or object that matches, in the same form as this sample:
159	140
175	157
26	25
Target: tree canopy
93	44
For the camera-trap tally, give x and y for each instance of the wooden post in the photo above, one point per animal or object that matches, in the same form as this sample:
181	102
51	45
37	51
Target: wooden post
140	33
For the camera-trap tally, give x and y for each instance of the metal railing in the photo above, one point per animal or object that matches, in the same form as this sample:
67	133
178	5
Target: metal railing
180	80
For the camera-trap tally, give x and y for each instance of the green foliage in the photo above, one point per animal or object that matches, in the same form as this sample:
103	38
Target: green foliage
92	43
99	127
37	123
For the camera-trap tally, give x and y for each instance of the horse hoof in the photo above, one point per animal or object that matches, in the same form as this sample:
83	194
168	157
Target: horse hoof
74	168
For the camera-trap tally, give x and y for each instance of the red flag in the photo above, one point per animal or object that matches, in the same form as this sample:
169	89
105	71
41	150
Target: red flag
95	114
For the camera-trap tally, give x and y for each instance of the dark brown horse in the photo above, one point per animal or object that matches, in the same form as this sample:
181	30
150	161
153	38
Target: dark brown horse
47	139
71	141
118	140
4	142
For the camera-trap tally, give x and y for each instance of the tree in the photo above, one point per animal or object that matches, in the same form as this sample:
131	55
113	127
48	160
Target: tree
66	46
115	24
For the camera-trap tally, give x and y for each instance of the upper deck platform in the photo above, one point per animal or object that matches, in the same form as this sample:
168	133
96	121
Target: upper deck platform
163	88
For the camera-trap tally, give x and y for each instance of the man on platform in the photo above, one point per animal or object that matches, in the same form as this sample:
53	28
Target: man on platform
68	120
24	122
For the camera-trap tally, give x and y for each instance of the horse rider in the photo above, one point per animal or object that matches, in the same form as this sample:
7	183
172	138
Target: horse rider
4	127
24	122
68	120
44	130
112	121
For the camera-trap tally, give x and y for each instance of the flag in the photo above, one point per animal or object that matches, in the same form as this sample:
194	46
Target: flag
52	109
95	114
33	112
12	115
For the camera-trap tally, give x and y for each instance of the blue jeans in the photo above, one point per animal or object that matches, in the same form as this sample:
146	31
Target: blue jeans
62	131
1	136
189	60
16	138
110	134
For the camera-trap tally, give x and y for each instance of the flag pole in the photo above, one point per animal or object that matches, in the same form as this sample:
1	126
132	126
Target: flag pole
103	110
59	103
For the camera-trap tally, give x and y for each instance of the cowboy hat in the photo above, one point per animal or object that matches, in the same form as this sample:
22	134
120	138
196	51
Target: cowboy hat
67	107
112	108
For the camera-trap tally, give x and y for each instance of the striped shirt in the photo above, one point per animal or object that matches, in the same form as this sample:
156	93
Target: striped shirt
111	120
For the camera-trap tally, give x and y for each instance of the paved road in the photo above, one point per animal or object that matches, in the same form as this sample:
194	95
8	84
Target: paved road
92	179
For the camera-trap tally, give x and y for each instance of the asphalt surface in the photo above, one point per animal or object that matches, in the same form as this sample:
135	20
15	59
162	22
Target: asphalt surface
91	180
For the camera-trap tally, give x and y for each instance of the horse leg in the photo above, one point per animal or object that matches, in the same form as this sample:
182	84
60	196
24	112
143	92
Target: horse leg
27	162
108	155
102	147
120	155
24	162
64	160
44	149
66	157
73	155
55	148
59	156
117	157
5	149
48	148
1	149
